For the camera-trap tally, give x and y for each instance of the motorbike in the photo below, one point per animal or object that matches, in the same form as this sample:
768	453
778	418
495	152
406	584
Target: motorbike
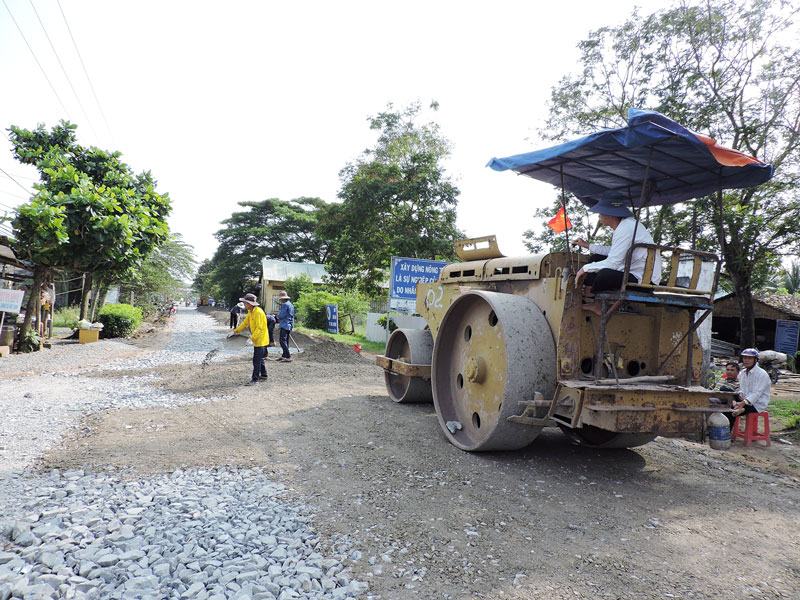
770	361
772	370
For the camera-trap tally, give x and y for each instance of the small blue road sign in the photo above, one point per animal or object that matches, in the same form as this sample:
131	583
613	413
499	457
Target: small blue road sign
332	312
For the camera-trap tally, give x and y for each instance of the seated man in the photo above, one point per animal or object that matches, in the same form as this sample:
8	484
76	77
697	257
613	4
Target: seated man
754	386
730	381
607	263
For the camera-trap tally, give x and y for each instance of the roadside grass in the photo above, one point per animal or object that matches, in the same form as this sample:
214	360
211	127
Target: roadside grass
784	414
348	338
66	317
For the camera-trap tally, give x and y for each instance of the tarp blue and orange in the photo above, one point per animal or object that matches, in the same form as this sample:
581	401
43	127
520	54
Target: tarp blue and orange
682	164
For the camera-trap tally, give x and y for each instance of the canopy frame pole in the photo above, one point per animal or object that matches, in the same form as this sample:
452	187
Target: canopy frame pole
566	219
644	198
605	314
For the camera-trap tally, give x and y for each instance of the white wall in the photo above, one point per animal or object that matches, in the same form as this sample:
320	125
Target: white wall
376	333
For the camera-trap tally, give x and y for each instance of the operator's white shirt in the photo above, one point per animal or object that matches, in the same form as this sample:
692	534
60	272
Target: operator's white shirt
620	244
756	387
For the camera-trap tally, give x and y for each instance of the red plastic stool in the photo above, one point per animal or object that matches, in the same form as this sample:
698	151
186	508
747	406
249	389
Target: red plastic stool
750	433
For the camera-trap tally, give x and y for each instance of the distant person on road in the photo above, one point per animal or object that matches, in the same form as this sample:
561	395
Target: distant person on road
235	312
271	327
285	320
754	387
256	320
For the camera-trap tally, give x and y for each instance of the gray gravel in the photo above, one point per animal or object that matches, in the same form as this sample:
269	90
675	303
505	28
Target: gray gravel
194	534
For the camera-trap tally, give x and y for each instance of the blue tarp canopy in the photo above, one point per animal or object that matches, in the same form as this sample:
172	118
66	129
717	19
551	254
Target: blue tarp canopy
683	165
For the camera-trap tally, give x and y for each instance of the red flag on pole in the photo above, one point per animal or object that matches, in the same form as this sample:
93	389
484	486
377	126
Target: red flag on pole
560	222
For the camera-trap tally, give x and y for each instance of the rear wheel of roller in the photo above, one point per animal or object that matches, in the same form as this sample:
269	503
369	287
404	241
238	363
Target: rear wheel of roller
413	346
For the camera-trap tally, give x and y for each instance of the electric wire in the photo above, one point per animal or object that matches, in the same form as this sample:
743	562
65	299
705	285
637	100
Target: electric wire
89	79
37	61
15	195
17	175
63	70
4	172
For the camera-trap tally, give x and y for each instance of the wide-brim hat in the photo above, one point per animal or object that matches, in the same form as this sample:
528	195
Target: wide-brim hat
613	204
282	295
250	299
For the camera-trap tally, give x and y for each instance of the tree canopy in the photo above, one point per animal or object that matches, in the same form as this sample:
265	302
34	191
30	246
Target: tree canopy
397	200
272	228
163	272
90	212
729	69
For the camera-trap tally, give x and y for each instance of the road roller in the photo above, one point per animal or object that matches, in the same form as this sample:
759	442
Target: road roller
508	348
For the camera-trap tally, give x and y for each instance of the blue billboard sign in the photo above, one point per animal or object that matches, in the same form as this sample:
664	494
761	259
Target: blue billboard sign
332	313
408	272
786	336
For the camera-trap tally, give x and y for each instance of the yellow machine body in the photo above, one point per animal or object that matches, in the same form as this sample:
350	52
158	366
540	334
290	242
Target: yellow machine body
644	386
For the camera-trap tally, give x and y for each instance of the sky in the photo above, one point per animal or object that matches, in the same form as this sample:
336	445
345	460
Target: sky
225	102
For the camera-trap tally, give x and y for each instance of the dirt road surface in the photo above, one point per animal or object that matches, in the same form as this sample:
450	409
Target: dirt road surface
672	519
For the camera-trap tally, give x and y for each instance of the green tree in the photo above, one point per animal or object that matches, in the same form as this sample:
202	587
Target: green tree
162	273
202	284
791	278
787	281
273	228
728	69
297	286
90	213
397	200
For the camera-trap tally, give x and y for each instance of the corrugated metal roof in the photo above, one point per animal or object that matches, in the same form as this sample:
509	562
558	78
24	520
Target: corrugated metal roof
281	270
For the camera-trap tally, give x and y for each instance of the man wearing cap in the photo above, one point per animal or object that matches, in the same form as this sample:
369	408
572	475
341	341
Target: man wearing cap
257	321
607	265
285	320
754	387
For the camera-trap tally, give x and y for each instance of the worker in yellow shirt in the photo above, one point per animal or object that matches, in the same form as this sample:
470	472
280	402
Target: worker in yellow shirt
257	321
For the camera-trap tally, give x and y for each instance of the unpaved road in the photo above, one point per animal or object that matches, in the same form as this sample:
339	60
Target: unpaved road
672	519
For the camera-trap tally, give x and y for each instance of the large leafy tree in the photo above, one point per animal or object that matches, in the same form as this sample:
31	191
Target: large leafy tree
202	284
273	228
163	272
397	200
730	69
89	214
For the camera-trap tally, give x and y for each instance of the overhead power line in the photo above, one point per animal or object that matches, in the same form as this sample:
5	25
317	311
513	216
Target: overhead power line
5	193
63	70
4	172
17	175
89	79
66	112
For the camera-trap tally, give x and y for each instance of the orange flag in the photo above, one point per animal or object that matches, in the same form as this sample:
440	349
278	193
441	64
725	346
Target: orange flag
560	222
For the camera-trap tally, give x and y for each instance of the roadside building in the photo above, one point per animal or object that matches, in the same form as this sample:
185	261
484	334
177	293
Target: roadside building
274	274
768	309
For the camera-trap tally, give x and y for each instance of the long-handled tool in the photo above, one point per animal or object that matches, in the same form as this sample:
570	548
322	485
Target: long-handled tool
295	343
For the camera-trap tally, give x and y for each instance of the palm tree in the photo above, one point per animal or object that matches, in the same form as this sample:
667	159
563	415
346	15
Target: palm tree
791	278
